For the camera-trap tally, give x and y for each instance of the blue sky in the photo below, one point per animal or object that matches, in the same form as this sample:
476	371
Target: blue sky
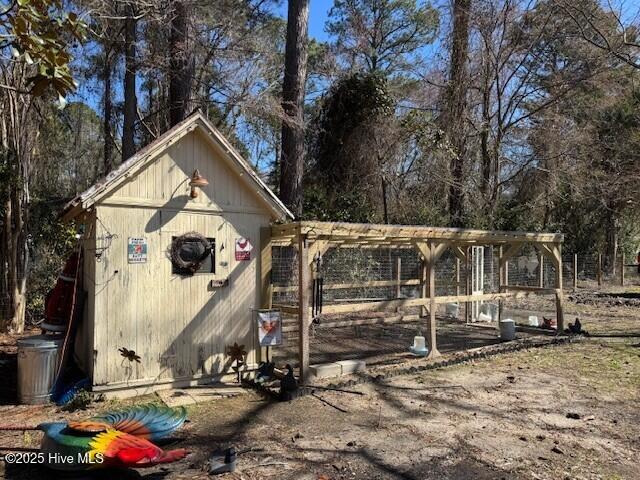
318	11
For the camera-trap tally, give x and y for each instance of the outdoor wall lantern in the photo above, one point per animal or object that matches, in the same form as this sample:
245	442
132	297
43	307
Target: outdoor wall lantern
197	181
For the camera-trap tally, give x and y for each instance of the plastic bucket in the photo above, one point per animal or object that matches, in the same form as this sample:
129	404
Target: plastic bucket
37	361
507	329
451	310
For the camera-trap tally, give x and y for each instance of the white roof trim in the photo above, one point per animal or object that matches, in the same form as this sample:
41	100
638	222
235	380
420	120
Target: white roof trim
149	153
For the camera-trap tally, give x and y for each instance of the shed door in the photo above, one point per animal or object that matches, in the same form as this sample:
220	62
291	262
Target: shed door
477	279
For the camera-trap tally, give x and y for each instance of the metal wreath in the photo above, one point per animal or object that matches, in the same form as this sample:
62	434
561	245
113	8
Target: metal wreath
177	244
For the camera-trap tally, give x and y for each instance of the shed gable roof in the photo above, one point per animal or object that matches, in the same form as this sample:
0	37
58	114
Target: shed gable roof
102	188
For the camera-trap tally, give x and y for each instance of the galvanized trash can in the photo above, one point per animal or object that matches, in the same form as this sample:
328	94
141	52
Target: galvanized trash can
37	361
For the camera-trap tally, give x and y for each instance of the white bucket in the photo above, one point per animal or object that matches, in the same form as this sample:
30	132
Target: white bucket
507	329
533	321
451	310
490	309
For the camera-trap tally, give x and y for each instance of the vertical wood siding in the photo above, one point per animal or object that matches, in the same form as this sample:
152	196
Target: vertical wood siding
180	326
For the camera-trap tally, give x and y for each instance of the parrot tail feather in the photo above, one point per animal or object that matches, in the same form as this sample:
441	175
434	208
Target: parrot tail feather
172	455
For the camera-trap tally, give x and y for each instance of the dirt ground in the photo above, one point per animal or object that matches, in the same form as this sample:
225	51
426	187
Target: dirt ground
565	411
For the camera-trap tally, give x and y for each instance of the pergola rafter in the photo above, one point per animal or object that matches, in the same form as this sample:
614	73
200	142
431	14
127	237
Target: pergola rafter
315	238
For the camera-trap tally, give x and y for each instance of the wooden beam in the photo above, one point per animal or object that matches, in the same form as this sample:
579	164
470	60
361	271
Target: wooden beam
266	291
457	276
551	252
319	247
370	321
523	288
398	276
304	316
481	297
540	270
266	287
557	253
341	308
339	229
423	249
378	305
290	309
343	286
435	252
467	284
460	253
510	251
503	278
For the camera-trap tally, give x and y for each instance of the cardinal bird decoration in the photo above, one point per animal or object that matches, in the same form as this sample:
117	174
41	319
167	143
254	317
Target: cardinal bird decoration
118	439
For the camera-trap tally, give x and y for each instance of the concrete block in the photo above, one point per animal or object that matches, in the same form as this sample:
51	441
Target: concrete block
324	370
352	366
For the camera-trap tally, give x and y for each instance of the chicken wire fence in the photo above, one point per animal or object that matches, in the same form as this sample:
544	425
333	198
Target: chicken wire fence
358	275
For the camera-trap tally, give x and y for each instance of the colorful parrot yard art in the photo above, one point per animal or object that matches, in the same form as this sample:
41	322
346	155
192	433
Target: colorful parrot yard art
118	439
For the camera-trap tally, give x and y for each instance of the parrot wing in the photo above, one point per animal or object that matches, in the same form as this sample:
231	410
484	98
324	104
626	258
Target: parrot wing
152	422
113	448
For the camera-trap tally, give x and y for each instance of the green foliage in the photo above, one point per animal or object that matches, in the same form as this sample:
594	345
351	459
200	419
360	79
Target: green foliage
69	152
80	401
341	206
51	243
353	103
39	32
345	164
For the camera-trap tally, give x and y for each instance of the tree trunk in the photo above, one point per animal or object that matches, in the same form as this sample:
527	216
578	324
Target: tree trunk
485	150
455	108
611	247
180	71
16	143
295	73
107	111
15	258
130	101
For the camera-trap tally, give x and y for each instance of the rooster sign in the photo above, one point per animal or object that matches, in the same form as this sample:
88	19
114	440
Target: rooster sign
243	249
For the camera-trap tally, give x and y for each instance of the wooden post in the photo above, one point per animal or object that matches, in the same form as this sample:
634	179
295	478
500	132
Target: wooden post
503	279
540	270
622	269
599	267
304	287
457	276
557	250
431	289
467	285
430	254
398	276
266	285
575	272
423	283
266	292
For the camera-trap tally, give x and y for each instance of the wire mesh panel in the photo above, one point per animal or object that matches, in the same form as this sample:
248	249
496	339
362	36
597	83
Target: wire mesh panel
358	275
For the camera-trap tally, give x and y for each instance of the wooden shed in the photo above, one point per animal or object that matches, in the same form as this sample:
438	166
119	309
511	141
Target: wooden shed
179	325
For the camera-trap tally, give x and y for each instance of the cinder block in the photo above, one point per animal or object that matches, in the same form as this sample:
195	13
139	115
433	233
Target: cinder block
324	370
352	366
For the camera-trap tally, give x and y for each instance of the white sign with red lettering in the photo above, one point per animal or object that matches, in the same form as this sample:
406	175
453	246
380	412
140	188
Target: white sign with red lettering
243	249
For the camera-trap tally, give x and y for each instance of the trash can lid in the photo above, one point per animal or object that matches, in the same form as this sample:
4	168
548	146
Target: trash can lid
41	341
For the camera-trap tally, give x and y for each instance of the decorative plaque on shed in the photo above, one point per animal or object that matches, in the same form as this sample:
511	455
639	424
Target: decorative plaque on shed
243	249
137	250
